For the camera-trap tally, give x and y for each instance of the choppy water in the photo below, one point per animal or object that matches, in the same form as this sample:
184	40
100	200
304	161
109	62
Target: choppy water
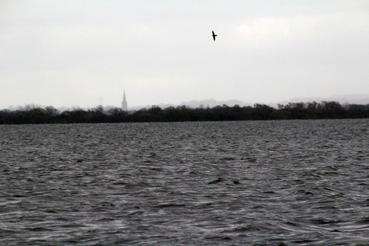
225	183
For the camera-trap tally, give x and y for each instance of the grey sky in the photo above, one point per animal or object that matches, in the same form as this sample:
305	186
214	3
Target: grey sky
73	52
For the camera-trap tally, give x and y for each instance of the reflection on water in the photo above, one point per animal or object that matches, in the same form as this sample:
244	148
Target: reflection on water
291	182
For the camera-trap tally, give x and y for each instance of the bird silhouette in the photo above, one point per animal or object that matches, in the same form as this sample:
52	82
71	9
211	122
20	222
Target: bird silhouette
214	35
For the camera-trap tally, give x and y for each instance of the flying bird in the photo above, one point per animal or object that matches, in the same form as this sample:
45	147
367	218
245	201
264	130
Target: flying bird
214	35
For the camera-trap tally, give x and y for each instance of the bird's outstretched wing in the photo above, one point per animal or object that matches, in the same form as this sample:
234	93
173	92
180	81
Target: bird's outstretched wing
214	35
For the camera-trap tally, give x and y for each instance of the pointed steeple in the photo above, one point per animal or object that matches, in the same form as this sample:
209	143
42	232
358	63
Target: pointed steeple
124	102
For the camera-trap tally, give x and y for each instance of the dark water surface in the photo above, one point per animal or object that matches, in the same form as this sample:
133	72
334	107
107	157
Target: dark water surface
225	183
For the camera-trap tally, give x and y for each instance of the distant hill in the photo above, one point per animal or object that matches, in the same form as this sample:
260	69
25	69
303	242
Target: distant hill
343	99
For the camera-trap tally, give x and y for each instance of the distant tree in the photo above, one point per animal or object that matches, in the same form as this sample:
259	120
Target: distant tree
312	110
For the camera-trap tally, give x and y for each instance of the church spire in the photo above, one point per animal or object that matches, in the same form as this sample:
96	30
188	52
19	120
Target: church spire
124	102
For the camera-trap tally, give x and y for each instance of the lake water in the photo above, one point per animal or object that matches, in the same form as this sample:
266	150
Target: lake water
210	183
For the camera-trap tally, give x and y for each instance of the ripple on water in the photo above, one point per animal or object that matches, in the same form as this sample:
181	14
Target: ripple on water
223	183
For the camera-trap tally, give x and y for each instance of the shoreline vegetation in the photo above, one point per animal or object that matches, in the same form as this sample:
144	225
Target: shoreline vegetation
290	111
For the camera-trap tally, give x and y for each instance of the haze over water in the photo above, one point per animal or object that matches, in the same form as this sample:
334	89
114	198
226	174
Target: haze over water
209	183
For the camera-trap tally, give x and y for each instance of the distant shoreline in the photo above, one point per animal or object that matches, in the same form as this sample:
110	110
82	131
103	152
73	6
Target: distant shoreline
290	111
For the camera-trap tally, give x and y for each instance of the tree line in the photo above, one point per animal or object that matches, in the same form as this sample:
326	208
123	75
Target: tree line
310	110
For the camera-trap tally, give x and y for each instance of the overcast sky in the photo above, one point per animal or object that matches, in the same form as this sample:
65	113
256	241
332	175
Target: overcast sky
75	52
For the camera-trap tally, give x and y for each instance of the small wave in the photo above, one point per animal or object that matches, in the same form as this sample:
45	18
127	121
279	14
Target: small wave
170	205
